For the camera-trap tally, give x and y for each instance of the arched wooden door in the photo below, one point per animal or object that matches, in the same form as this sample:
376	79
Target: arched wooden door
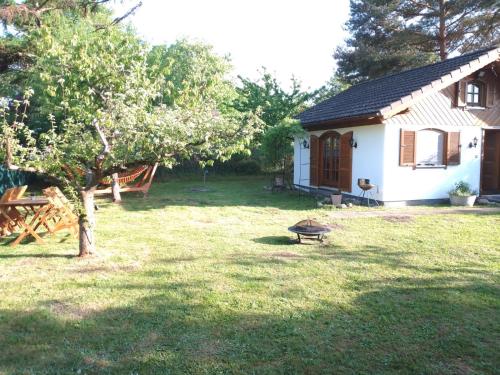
329	146
335	160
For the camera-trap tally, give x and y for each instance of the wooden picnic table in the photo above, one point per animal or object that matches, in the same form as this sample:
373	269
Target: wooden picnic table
36	205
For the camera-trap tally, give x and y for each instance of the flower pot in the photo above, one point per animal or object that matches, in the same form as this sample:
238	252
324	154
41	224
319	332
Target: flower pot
336	199
467	201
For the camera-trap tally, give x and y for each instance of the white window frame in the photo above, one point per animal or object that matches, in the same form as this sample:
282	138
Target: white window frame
480	94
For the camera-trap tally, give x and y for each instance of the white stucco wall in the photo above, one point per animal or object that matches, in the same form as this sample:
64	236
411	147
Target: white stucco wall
407	183
367	158
377	158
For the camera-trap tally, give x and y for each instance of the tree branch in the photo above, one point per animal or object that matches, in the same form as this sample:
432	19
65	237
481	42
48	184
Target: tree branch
117	20
106	149
127	14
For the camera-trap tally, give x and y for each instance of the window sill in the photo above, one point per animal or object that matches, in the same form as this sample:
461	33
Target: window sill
423	166
475	108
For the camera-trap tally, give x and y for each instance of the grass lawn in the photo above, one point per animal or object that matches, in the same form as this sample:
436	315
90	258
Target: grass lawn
208	283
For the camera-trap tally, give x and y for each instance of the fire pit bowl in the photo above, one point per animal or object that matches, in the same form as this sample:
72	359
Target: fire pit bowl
309	229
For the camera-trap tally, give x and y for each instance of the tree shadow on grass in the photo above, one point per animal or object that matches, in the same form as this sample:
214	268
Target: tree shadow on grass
410	326
37	255
321	252
351	260
222	193
46	236
365	255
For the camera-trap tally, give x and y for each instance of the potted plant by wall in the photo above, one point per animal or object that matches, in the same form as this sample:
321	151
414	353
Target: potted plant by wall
336	198
462	195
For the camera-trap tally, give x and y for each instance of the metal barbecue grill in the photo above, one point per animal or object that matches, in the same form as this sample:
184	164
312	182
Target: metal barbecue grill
309	229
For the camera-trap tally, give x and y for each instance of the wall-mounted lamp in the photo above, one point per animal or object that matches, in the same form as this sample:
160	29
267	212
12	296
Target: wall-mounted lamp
305	144
473	143
494	71
353	143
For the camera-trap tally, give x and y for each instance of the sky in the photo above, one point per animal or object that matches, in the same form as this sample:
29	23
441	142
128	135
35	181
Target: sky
288	37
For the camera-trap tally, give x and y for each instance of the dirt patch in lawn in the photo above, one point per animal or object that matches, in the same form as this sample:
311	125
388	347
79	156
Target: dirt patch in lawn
100	363
108	268
461	368
178	259
69	310
207	349
199	190
285	254
148	342
397	219
334	226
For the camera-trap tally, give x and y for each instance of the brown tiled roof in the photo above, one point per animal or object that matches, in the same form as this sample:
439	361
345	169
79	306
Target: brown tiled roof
368	98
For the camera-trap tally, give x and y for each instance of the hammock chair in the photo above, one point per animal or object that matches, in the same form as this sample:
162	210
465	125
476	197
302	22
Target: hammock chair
143	185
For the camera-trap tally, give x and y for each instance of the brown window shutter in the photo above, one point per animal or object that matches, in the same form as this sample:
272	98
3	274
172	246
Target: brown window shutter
407	145
345	164
457	94
461	92
313	160
490	94
452	149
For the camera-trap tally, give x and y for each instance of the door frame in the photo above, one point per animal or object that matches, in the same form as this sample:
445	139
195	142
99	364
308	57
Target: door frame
484	130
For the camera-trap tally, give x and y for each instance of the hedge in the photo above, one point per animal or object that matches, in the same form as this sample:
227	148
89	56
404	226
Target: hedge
10	179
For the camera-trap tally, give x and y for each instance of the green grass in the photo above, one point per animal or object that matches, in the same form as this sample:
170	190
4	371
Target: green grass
209	283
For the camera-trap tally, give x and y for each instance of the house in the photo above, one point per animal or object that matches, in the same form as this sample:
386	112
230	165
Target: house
412	134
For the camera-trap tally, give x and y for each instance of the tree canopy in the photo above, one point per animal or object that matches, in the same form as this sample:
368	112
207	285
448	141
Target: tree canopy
277	144
270	99
191	73
102	105
387	36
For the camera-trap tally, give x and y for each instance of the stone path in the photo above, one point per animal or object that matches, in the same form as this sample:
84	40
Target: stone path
410	211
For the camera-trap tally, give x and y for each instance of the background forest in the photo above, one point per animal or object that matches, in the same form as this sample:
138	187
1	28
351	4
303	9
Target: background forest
385	36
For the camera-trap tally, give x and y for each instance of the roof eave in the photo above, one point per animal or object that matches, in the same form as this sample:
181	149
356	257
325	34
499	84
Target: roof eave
366	119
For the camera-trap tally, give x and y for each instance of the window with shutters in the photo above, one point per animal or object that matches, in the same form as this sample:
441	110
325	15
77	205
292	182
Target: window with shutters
430	148
475	94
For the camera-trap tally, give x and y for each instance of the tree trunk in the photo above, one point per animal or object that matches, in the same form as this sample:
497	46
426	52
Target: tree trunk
115	188
443	49
8	154
87	224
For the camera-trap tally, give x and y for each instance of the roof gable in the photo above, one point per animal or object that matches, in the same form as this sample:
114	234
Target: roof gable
386	96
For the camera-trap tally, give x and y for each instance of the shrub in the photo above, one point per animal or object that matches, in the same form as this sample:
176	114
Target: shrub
9	178
462	189
277	144
247	167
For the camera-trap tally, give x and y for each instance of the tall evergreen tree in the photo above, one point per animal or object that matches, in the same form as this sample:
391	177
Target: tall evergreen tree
388	36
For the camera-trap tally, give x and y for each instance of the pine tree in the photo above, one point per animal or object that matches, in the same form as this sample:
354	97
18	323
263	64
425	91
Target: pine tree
388	36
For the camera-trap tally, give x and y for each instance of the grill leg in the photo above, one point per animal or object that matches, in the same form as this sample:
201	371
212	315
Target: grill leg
370	194
298	238
364	195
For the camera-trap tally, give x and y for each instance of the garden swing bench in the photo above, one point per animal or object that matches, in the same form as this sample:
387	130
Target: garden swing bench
125	178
